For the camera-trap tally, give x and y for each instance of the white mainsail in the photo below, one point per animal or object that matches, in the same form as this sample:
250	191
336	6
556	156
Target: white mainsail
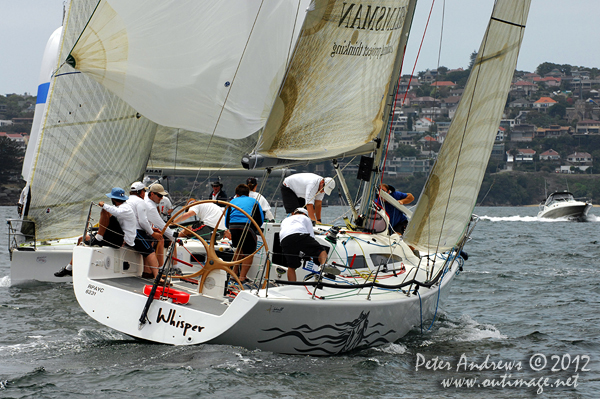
180	149
212	67
335	94
449	196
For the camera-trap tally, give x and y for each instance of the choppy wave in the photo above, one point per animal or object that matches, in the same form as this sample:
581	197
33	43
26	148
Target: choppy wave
464	329
392	349
5	281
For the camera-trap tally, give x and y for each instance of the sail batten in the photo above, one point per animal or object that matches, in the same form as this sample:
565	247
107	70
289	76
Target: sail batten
450	193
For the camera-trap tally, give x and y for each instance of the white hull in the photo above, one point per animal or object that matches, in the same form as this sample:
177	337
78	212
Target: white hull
282	319
570	211
40	263
563	205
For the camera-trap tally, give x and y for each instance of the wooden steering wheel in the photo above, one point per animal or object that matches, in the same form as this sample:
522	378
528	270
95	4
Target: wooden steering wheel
213	262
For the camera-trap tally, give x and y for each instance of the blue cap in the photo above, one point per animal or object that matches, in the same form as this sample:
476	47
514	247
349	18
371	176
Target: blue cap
117	193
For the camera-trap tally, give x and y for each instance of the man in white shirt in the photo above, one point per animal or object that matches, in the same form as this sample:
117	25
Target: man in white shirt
209	217
306	189
297	234
146	237
155	194
116	225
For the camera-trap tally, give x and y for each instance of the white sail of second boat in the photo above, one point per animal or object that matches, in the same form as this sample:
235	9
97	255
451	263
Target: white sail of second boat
449	196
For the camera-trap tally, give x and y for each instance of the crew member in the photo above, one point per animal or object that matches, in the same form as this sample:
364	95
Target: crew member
306	189
297	235
243	232
398	220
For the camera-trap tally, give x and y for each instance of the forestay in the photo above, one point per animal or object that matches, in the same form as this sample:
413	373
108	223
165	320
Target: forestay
449	196
212	67
333	100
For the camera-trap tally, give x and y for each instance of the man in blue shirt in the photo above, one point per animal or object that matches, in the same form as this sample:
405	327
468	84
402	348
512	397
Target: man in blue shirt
398	220
243	232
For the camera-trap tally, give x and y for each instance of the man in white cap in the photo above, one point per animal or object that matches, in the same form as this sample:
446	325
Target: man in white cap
296	235
146	236
155	194
306	189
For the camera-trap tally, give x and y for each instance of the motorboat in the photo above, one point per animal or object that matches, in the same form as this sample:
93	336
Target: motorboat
562	204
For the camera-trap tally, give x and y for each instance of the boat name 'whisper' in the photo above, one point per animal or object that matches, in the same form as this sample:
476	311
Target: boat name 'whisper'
372	18
170	319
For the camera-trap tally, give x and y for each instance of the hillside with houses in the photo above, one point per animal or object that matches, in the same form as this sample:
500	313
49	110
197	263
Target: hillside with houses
551	125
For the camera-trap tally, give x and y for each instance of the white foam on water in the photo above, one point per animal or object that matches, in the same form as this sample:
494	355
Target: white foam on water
464	330
95	335
28	347
518	218
5	281
393	349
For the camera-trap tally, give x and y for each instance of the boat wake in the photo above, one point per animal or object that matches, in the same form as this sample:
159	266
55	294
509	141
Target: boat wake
518	218
464	329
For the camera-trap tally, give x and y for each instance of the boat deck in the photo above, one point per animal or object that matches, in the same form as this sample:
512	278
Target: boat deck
197	301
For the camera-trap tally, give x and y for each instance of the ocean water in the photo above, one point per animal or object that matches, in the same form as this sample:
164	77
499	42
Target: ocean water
522	318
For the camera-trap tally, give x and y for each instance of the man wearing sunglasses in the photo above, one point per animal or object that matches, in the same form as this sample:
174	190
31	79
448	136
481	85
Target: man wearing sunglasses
155	194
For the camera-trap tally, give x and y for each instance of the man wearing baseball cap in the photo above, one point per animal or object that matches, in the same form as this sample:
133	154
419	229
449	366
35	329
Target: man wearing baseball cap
116	225
153	197
297	234
146	236
306	189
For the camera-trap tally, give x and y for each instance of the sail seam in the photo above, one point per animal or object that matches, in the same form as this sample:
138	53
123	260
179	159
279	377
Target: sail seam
508	22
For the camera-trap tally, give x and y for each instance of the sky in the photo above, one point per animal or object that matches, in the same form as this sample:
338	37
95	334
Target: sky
558	31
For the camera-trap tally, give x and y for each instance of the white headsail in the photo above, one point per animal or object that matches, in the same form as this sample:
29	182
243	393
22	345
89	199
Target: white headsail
334	97
90	142
448	198
212	67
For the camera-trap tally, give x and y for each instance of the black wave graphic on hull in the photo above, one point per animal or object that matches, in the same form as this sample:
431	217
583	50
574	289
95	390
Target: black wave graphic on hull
341	337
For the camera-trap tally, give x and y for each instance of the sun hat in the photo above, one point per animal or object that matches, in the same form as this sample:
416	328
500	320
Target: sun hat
158	189
329	185
301	210
137	186
117	193
216	183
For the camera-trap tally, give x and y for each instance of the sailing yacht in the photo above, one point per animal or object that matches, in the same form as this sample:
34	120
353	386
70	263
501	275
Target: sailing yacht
33	256
305	81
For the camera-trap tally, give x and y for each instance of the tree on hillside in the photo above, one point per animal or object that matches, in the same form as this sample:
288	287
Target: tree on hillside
10	162
557	111
539	119
406	151
473	58
547	67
